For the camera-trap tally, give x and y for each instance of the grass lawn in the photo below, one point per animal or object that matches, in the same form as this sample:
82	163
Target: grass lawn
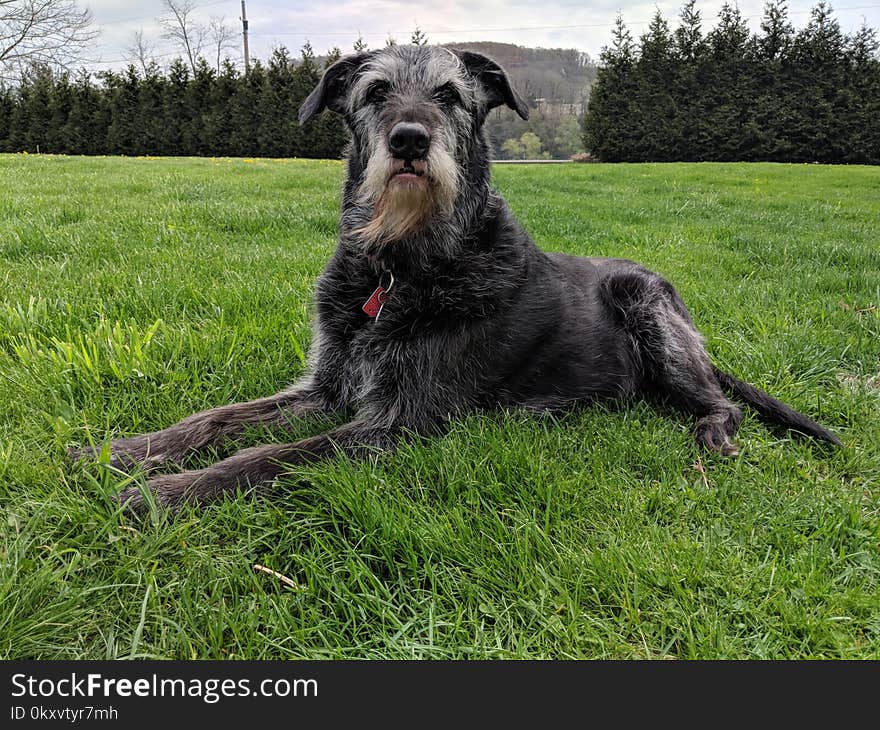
136	291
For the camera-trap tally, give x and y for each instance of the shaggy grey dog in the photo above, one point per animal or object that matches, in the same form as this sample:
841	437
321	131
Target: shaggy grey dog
437	302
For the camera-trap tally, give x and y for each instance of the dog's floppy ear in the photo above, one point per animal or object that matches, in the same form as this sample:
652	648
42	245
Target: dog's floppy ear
332	89
494	81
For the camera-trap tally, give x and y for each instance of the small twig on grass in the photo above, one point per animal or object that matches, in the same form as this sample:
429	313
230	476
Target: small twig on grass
858	310
702	469
283	578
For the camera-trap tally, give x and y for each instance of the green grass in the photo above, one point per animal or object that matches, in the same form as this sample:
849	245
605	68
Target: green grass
136	291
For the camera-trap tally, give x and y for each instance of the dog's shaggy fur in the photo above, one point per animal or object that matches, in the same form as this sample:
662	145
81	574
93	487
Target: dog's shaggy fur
478	317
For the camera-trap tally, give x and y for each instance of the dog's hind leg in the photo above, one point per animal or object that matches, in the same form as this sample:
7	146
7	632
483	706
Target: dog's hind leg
209	427
673	357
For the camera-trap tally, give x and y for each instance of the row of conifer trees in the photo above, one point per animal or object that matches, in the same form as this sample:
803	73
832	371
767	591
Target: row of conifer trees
797	96
183	110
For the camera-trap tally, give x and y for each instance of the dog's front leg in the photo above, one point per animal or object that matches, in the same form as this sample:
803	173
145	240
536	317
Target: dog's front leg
210	427
250	468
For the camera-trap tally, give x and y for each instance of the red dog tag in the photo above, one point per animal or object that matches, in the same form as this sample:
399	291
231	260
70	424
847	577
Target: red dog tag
373	306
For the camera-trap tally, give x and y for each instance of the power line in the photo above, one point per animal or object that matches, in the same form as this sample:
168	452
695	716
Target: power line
127	60
152	56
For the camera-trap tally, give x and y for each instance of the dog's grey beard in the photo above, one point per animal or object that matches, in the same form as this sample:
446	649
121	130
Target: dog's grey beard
402	210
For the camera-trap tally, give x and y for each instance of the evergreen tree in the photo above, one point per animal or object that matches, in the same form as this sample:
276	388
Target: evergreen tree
60	105
307	54
729	88
610	127
123	133
278	133
7	104
85	132
198	98
777	32
418	38
30	125
772	114
656	72
863	88
219	122
246	106
817	94
152	123
687	85
175	109
689	41
310	139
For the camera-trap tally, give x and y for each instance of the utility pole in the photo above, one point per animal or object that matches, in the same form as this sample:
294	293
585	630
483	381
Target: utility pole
244	31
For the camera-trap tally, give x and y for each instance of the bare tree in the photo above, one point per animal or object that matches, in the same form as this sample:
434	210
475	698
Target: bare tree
140	51
52	33
222	37
180	26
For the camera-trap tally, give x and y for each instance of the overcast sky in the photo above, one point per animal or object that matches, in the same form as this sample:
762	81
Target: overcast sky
547	23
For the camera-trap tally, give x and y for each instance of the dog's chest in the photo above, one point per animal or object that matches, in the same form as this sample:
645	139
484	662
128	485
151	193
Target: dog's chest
393	307
401	335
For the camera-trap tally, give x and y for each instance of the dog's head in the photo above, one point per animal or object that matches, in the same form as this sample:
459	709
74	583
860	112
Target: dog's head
414	113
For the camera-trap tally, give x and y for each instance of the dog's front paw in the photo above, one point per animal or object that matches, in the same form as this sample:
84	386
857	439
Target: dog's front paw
118	460
166	491
125	454
81	453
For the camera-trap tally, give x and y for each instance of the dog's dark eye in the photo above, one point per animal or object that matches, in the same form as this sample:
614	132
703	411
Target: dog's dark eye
376	92
446	95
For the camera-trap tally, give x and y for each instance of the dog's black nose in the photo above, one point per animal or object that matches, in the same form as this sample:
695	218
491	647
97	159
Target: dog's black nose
408	141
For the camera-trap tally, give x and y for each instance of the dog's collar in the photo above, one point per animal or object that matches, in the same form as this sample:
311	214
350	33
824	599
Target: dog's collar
373	306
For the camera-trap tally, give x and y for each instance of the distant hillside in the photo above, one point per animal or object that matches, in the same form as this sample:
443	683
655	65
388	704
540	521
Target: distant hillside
555	82
556	75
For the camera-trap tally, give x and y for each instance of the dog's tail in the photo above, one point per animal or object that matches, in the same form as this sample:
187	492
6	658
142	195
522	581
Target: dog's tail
771	410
